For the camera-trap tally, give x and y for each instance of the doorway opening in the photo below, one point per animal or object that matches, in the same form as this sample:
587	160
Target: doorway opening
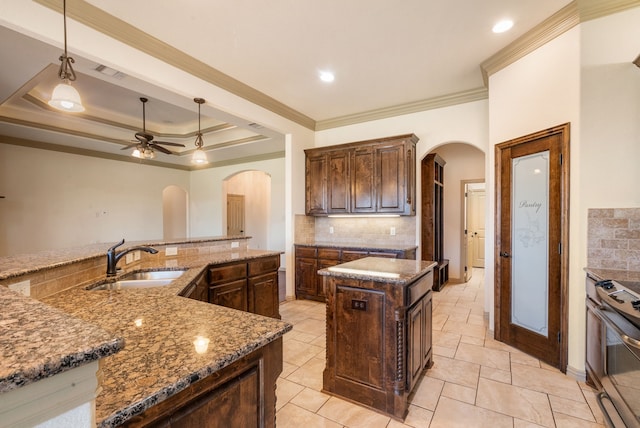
252	216
473	227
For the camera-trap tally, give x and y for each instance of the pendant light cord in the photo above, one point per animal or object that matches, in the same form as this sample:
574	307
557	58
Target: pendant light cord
66	70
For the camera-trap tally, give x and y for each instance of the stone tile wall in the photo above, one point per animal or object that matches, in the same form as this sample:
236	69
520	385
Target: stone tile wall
614	238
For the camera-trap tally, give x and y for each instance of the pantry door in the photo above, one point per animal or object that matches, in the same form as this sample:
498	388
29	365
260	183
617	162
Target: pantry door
532	229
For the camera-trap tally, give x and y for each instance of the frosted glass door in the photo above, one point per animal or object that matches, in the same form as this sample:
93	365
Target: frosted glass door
530	242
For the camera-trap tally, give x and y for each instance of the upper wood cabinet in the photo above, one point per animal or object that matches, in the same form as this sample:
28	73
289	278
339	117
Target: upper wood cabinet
365	177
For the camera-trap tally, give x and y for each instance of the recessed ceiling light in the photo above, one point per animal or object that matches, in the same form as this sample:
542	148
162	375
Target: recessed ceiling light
327	76
502	26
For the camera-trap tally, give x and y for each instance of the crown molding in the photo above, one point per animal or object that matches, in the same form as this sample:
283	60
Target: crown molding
552	27
117	29
22	142
417	106
574	13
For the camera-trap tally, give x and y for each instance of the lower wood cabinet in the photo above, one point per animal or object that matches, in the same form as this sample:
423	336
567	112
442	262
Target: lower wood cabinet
247	286
242	394
309	259
378	341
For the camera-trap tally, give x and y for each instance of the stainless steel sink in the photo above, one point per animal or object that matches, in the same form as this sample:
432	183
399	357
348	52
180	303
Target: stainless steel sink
157	278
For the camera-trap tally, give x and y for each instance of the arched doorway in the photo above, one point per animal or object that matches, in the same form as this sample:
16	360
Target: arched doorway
255	187
174	213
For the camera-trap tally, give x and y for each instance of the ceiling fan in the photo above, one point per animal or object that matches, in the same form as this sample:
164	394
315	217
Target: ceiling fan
145	145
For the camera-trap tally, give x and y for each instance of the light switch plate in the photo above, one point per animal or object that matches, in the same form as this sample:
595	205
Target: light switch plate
235	244
22	287
128	258
392	231
136	255
171	251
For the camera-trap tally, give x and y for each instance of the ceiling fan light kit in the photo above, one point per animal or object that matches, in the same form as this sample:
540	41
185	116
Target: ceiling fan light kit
199	157
65	97
145	145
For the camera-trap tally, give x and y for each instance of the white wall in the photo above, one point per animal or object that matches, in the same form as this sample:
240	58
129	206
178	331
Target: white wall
58	200
537	92
255	186
464	162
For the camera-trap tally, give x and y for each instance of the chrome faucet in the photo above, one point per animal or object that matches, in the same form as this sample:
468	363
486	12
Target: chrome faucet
113	257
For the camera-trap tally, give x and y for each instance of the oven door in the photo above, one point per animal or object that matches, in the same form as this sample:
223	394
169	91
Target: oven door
622	368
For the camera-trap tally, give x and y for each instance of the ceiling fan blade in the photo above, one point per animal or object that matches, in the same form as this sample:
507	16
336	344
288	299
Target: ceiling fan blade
169	144
162	149
143	137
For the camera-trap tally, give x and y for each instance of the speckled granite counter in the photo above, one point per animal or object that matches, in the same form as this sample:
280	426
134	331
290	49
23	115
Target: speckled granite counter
159	329
21	264
394	271
37	341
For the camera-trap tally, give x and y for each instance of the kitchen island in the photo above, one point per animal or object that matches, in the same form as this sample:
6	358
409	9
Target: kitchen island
178	352
378	331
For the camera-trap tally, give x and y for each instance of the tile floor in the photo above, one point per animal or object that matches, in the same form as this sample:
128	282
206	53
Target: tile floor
474	382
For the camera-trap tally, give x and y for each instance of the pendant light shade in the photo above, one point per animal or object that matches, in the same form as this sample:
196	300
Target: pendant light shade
64	96
199	157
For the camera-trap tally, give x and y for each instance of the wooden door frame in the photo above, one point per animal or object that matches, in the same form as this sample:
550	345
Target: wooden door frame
463	256
564	131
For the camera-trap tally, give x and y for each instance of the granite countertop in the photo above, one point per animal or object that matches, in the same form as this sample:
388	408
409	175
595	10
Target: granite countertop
38	341
21	264
360	246
396	271
159	328
618	275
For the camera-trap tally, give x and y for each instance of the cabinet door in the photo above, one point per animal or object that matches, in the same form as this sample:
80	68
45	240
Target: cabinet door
232	295
323	263
350	255
263	295
391	177
427	304
339	182
415	343
317	170
306	277
363	187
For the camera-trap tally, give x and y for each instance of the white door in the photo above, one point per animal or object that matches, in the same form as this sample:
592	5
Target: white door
476	199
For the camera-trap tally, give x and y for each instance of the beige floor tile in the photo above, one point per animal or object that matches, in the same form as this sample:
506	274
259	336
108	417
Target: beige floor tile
352	415
447	340
455	371
292	416
438	320
573	408
426	393
287	369
311	326
444	352
418	417
298	353
310	399
519	423
309	374
547	381
493	358
456	414
472	340
459	392
590	398
503	376
514	401
477	331
285	391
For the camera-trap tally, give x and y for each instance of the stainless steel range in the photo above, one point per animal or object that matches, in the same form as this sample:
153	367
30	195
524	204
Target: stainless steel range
613	325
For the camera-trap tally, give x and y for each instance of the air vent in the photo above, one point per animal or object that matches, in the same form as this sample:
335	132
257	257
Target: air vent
256	125
108	71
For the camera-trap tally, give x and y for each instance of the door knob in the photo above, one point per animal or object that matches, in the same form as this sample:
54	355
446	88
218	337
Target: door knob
505	255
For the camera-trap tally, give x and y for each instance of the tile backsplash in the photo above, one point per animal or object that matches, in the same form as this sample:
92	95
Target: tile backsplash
614	238
356	230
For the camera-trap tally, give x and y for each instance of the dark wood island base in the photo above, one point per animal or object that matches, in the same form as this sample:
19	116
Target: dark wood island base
378	331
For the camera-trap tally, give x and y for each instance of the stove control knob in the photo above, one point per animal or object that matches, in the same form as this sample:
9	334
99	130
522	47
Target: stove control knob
636	304
607	284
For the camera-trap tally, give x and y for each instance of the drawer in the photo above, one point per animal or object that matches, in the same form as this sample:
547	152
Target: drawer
349	255
383	254
264	265
329	253
419	288
307	252
227	273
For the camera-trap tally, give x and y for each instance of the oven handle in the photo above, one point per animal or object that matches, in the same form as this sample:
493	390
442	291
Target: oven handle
599	311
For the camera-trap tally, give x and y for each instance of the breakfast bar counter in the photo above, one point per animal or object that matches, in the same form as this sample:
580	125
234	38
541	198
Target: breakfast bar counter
170	342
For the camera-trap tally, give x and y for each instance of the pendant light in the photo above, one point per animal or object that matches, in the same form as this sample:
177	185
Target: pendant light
199	157
65	97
